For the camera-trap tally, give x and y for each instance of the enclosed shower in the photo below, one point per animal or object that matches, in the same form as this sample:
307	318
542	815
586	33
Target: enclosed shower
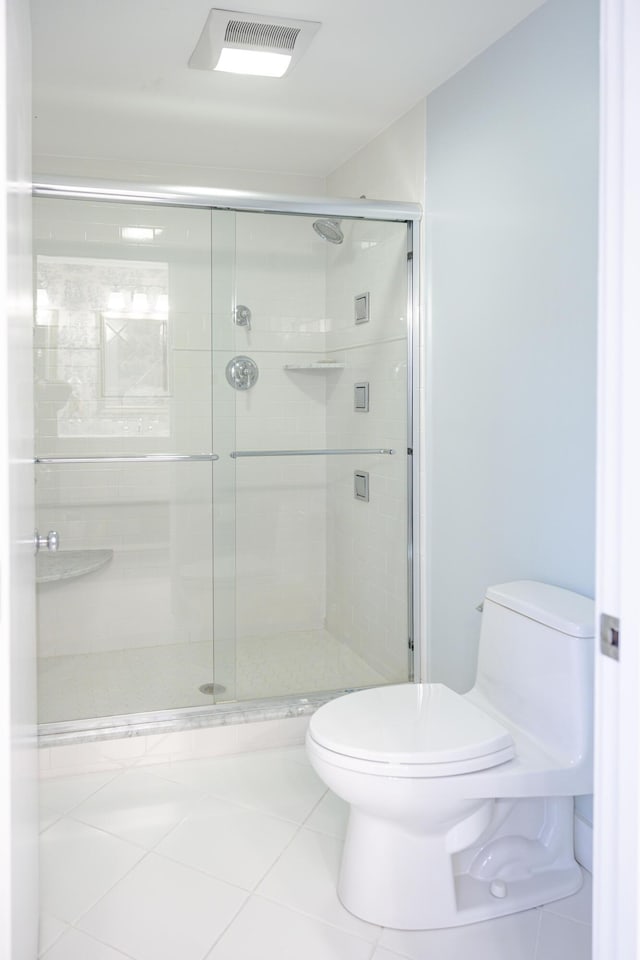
224	468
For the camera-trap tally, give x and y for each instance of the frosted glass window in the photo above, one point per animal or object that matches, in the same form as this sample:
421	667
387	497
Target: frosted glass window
134	357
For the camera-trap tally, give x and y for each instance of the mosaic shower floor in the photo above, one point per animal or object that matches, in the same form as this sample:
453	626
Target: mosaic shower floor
165	677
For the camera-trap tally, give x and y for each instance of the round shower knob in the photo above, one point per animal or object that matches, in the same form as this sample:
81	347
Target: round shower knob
242	316
242	373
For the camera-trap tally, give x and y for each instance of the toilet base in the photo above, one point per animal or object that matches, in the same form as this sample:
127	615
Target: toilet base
502	857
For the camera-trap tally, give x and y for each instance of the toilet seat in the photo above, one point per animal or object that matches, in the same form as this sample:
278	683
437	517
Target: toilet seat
415	730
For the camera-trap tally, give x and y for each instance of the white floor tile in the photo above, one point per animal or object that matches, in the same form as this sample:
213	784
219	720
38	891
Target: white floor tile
220	827
138	807
330	816
507	938
270	932
305	877
50	930
229	842
272	784
297	752
78	864
577	907
59	795
562	939
163	911
75	945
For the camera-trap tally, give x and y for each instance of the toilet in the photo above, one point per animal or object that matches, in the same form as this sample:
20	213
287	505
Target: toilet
461	805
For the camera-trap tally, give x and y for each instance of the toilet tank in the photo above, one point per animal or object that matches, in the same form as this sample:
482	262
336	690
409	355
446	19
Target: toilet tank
535	663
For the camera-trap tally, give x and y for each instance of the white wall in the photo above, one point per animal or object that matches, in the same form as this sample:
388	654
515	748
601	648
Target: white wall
18	797
159	172
511	246
390	167
509	348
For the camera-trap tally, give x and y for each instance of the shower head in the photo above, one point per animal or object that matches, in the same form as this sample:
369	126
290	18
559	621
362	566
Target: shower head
328	229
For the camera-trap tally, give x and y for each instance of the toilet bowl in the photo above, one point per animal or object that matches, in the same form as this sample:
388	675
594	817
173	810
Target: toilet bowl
461	806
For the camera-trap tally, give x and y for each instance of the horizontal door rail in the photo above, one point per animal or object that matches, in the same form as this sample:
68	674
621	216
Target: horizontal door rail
236	454
142	458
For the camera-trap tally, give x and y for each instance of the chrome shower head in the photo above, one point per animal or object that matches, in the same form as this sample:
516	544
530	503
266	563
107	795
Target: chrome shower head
329	229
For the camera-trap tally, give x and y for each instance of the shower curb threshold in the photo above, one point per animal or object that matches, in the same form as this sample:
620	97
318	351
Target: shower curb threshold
90	730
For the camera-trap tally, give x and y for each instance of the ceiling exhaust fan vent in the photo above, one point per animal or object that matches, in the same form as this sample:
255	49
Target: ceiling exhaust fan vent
264	36
231	30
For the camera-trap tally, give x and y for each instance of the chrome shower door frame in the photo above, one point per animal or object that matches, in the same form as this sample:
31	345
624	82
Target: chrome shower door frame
91	729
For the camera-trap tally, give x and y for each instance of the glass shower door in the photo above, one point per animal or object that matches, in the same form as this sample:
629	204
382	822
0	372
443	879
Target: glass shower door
321	533
123	373
221	422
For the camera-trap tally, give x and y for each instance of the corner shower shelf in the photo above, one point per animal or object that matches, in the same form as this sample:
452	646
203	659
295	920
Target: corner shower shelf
316	365
69	564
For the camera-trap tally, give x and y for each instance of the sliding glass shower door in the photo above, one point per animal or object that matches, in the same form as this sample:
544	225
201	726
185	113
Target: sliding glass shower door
124	442
222	423
322	472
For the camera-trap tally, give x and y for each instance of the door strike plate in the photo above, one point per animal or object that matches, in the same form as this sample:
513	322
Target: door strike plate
610	636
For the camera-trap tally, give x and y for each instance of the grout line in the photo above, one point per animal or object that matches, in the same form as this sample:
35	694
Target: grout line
77	919
302	826
201	872
296	833
74	806
537	940
374	947
146	851
102	943
365	346
327	923
222	933
55	940
305	349
561	916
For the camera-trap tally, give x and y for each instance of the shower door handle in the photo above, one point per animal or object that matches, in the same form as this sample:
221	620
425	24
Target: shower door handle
133	458
236	454
51	541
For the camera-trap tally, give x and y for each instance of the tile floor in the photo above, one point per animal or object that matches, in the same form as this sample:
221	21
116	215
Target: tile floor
235	858
167	676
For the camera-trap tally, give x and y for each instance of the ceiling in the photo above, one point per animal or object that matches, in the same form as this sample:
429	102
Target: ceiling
111	79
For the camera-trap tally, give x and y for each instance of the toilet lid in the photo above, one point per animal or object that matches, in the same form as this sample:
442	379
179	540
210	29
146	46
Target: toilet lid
419	723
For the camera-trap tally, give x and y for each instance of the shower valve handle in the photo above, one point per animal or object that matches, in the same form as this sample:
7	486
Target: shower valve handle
51	541
242	316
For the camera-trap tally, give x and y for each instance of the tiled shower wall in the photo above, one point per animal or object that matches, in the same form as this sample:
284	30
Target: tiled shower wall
367	541
281	501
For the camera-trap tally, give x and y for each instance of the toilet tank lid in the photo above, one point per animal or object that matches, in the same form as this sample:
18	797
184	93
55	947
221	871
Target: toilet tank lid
555	607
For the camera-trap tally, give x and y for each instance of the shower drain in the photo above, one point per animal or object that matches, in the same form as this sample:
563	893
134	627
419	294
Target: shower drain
211	689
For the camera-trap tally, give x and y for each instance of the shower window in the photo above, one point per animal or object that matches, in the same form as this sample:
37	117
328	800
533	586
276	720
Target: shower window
134	357
107	323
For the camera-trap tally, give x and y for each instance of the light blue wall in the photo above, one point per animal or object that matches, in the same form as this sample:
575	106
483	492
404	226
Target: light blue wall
511	251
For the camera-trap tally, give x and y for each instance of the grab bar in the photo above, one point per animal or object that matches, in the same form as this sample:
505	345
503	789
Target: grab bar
143	458
236	454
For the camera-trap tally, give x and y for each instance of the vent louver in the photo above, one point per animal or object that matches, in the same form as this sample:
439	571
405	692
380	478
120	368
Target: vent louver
248	31
263	36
